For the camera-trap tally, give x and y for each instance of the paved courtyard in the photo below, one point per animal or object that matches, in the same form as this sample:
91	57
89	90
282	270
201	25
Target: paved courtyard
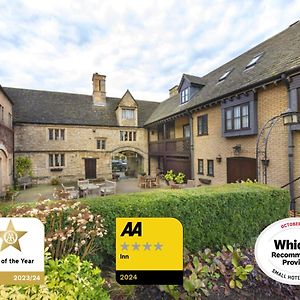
45	191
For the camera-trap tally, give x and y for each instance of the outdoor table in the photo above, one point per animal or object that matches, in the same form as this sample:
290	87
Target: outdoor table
86	189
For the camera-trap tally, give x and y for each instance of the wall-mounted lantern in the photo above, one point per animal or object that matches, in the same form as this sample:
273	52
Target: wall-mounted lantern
237	149
290	117
219	158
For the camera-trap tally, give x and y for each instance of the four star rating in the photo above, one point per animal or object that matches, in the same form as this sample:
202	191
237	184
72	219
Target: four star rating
137	247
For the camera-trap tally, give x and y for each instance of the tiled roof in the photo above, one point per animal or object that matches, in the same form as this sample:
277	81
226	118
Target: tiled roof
281	53
44	107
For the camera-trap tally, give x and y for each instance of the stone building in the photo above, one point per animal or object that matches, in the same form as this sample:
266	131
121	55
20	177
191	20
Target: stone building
208	127
73	136
6	142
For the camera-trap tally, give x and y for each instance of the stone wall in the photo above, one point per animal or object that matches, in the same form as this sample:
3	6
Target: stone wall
80	142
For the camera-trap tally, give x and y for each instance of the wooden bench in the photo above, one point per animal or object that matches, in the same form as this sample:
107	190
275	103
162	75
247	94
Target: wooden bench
25	182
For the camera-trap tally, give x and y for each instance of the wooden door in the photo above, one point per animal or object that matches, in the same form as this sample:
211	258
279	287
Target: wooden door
241	168
179	165
90	168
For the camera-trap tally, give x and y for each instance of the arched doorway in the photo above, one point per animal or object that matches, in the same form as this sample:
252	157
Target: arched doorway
127	163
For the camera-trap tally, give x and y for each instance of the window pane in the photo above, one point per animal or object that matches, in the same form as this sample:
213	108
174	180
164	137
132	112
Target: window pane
237	123
228	114
62	134
103	144
56	134
245	122
50	134
62	160
129	136
245	110
56	160
229	124
237	111
134	136
50	160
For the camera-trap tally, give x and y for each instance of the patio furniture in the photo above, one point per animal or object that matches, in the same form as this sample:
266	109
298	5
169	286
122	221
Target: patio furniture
108	188
88	189
25	182
142	182
156	182
71	191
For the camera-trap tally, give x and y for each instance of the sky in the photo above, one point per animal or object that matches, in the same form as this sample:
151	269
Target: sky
140	45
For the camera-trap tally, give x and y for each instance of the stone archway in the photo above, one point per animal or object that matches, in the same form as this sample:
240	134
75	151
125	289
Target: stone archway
128	162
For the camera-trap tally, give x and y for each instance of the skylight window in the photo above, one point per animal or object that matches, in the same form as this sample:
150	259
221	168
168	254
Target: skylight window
224	76
254	60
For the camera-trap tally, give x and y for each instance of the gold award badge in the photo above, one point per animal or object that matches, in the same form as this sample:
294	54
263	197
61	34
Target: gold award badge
21	251
149	251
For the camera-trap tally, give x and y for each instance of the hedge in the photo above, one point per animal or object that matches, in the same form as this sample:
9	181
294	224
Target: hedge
211	216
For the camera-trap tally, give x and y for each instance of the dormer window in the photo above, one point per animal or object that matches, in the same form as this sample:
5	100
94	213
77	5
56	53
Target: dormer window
185	95
225	75
127	114
254	60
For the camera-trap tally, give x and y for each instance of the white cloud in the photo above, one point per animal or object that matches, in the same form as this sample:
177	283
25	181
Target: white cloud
144	46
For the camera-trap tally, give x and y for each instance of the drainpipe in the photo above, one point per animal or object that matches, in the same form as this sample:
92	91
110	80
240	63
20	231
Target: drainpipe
191	145
148	132
291	151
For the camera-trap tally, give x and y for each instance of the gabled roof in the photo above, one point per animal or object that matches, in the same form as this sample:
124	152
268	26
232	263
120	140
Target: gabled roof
130	95
44	107
5	94
194	80
281	54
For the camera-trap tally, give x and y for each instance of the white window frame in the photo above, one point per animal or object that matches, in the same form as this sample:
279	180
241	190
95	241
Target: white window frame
58	134
101	143
185	95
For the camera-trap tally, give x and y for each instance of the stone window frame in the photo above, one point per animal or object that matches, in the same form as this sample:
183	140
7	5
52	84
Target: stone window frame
59	163
101	143
125	112
128	136
56	134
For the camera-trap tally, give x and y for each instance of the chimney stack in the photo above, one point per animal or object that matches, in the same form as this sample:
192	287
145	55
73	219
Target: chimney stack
173	91
99	93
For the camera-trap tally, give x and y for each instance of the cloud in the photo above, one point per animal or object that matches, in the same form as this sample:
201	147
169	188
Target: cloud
144	46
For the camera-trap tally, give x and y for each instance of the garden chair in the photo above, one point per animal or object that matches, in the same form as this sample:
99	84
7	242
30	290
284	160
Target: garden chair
142	181
109	188
72	192
156	183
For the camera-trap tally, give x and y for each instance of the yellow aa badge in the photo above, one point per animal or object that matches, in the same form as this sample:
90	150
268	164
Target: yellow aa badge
21	251
149	251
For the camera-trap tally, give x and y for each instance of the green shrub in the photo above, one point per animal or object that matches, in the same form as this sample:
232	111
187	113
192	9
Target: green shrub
23	166
66	278
55	181
211	216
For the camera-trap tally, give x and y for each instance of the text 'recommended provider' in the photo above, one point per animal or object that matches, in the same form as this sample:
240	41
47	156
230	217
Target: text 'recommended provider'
149	251
277	251
21	251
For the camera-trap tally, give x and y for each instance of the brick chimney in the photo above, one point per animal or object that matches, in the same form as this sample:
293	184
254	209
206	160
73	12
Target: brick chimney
173	91
99	93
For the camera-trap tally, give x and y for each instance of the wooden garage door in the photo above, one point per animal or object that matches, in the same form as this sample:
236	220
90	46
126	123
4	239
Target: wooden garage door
179	165
240	168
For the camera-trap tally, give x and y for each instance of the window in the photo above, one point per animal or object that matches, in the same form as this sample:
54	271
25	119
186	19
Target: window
186	131
128	136
200	166
127	114
1	113
101	144
184	95
56	134
10	120
254	60
202	125
237	117
56	160
210	167
224	76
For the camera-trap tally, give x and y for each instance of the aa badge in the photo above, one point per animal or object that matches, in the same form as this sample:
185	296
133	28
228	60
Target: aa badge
149	251
21	251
